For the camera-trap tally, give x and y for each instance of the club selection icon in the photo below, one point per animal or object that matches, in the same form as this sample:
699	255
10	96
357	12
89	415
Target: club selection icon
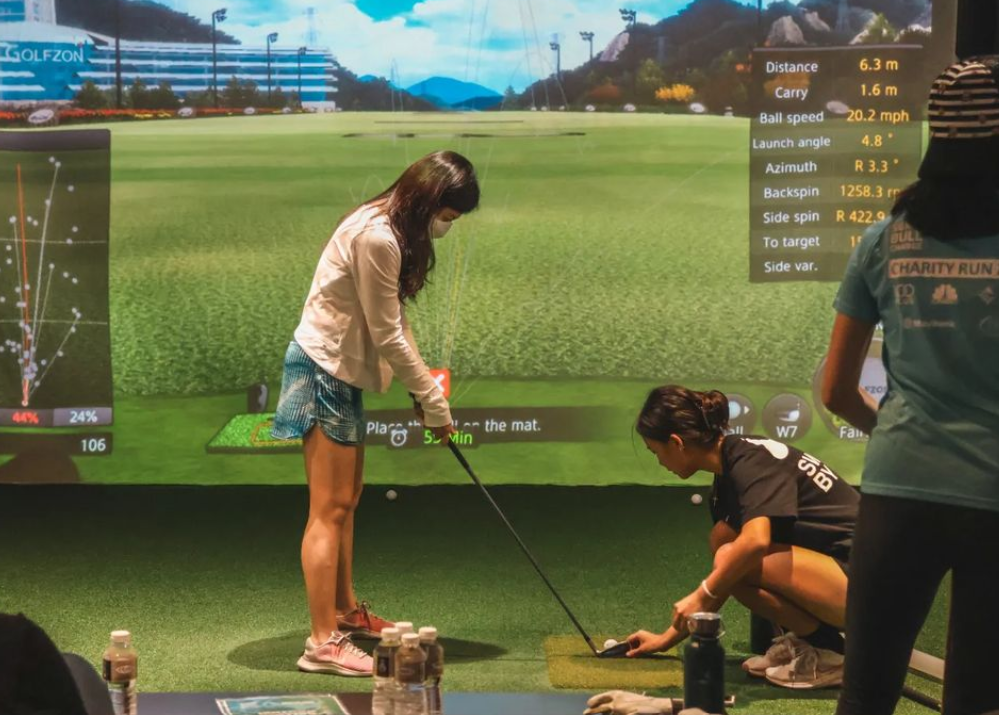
787	417
741	414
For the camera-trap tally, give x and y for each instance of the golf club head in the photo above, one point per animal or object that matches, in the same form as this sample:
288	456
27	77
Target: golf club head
615	651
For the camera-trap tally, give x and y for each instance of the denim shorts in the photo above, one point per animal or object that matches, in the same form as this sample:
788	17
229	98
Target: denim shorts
310	395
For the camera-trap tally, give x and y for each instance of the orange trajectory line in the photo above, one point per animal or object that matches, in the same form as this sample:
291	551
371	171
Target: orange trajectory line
25	293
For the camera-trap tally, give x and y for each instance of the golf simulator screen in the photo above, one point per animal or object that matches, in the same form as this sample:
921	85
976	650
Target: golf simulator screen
670	194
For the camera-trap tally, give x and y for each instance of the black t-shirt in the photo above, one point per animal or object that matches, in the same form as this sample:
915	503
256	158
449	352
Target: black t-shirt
807	503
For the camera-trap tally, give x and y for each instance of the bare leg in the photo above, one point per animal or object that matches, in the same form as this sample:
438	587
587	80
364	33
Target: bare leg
763	603
346	601
775	608
330	468
796	587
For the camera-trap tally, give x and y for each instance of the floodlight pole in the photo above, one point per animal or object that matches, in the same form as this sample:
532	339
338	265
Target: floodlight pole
588	37
301	53
217	17
270	38
759	22
117	54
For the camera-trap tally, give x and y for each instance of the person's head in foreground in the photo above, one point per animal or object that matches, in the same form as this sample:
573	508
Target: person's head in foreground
957	194
681	427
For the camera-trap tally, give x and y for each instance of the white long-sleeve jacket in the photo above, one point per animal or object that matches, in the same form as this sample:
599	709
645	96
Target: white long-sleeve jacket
354	325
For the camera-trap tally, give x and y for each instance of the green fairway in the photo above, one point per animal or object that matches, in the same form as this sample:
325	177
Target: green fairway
209	580
618	251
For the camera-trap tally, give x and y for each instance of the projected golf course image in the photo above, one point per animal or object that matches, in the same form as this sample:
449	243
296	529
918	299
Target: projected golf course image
608	256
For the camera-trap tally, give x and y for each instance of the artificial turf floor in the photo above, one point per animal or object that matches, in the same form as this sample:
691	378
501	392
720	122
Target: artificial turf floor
208	578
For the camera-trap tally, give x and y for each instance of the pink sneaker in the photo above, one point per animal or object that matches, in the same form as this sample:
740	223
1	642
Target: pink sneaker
337	655
362	623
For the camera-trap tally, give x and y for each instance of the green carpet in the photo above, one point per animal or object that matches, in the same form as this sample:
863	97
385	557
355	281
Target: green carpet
572	665
209	579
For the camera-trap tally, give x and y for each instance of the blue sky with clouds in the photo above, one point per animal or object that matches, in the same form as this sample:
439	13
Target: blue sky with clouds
493	42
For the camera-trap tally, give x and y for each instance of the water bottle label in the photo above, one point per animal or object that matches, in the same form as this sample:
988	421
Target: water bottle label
121	671
383	666
410	673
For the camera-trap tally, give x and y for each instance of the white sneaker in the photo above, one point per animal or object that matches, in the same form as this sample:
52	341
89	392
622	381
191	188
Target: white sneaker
337	655
781	652
810	668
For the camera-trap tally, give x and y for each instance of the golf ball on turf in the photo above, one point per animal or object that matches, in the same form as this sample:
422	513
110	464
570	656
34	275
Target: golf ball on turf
609	643
391	495
696	499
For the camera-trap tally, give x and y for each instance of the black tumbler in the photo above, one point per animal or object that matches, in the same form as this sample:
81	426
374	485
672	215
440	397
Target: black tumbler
704	664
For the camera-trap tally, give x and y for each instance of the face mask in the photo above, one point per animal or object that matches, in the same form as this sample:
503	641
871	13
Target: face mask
440	228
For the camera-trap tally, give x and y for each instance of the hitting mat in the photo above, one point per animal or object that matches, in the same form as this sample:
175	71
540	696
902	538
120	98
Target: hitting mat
571	665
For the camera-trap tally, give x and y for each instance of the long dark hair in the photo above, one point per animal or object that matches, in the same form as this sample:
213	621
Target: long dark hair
949	210
699	418
438	181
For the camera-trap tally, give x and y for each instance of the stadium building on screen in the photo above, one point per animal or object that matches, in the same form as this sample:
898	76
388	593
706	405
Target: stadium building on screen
44	62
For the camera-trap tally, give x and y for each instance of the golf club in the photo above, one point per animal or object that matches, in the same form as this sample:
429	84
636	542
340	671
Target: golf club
615	651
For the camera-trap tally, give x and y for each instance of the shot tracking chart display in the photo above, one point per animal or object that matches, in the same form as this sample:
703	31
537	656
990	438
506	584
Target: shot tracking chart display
55	344
836	135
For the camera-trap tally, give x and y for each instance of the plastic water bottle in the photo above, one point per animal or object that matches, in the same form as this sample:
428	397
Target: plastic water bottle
384	693
121	666
404	627
435	668
410	674
704	664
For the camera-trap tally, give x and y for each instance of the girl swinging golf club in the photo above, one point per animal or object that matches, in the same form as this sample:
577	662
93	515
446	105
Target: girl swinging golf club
354	336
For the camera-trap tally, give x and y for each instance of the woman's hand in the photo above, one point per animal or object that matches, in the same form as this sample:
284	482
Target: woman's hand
696	602
443	433
645	642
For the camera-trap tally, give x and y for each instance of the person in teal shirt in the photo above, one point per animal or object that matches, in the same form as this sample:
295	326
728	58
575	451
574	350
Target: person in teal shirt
929	274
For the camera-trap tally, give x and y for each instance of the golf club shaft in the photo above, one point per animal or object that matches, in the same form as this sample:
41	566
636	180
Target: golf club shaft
921	698
523	547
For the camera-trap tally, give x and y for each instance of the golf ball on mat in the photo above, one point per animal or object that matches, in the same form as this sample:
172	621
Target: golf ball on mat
696	498
609	643
391	495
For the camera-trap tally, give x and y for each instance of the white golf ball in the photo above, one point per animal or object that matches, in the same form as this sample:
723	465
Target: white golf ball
696	499
609	643
391	495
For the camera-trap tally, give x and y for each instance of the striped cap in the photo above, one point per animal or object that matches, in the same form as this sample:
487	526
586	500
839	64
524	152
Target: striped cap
964	102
